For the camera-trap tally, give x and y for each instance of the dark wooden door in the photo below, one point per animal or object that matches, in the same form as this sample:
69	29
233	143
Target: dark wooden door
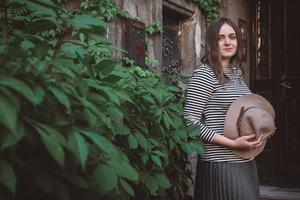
290	94
262	81
276	75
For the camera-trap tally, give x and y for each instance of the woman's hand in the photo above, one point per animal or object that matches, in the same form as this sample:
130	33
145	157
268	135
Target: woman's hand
244	142
247	142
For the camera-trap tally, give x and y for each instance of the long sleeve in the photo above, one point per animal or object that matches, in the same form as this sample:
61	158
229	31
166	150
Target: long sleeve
199	91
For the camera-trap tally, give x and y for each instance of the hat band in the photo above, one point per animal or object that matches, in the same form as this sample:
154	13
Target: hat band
240	117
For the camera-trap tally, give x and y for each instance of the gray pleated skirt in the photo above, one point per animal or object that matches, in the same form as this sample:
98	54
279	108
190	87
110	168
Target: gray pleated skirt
226	181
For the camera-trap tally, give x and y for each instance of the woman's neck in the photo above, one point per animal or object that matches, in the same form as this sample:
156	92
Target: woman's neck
225	63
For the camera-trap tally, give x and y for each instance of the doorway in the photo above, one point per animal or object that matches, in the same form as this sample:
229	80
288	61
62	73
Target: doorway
276	74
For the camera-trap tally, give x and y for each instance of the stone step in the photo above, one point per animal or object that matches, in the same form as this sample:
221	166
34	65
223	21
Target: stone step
278	193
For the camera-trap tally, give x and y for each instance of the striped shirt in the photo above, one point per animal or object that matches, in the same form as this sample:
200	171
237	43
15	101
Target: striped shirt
207	104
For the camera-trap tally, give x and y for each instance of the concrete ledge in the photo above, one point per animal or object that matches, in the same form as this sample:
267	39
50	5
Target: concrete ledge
277	193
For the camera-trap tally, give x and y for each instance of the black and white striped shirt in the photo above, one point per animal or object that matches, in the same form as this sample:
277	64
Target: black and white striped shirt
207	104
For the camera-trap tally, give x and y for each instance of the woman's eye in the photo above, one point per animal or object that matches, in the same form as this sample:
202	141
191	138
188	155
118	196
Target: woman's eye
233	37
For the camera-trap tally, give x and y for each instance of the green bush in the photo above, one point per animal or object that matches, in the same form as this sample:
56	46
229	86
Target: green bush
74	124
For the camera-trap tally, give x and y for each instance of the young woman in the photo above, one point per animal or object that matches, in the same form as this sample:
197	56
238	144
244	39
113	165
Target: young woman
214	85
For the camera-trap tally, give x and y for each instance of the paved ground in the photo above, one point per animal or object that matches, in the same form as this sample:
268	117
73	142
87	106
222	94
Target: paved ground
276	193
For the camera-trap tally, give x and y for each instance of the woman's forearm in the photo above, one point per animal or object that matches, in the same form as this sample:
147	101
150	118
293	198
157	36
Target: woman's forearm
223	141
244	142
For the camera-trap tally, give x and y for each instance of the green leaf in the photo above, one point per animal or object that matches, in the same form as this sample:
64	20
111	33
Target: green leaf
149	99
117	74
51	131
8	139
73	50
27	44
132	141
42	7
151	183
194	130
20	87
110	93
64	66
79	147
83	88
87	22
104	144
145	157
159	153
94	97
61	97
105	67
120	128
90	117
53	146
167	120
115	113
39	94
124	95
163	181
3	49
123	169
142	140
7	176
127	187
156	160
96	111
156	94
198	146
105	177
8	113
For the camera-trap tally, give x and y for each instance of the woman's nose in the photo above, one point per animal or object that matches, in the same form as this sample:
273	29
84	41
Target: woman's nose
226	41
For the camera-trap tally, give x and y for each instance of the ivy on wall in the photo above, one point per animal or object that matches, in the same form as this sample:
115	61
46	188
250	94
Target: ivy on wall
209	7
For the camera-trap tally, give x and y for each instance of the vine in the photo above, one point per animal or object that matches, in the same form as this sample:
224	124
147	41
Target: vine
155	27
210	8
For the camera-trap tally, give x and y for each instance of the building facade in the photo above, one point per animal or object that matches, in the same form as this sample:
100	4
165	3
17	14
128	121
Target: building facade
272	46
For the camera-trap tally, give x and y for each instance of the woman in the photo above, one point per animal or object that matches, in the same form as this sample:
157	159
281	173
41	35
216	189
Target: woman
214	85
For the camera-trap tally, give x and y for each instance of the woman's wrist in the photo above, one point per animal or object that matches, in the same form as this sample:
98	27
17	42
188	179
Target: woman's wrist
224	141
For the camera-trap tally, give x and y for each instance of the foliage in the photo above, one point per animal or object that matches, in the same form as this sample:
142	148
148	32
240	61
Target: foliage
210	8
105	8
155	27
74	123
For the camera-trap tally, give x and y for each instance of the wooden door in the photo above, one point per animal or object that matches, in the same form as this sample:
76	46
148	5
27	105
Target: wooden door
276	75
290	94
262	81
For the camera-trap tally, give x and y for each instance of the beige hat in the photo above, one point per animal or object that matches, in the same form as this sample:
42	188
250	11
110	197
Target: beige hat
249	114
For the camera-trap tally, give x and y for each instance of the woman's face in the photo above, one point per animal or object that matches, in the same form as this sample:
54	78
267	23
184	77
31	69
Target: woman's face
227	42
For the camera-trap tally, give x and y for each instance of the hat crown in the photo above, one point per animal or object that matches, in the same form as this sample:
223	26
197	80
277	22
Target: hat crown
258	121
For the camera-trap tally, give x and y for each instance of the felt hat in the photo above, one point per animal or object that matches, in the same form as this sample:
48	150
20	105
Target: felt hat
249	114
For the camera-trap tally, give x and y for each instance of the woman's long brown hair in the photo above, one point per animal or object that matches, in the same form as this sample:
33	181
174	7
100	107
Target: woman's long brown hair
213	57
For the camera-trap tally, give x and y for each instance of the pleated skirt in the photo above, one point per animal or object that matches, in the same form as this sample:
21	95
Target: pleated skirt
226	181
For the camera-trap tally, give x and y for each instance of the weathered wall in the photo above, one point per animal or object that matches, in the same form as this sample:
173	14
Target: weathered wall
235	10
145	11
191	32
190	29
